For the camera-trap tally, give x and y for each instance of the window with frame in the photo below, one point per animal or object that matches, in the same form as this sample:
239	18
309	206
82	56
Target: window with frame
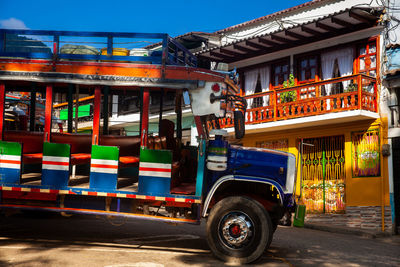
279	144
280	73
307	67
367	55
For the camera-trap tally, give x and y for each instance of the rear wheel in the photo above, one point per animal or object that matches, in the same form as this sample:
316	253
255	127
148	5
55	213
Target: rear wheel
239	230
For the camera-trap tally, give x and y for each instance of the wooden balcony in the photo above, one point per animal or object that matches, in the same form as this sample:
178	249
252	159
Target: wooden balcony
355	92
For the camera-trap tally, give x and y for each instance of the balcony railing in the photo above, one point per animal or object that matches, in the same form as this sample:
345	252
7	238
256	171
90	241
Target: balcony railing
354	92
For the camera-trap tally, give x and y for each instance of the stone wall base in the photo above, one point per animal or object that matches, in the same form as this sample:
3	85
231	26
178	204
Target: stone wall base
362	217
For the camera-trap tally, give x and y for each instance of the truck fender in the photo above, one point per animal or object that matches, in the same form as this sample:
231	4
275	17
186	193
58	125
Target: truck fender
226	178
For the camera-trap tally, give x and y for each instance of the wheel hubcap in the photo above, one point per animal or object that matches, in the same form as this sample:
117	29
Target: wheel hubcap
236	229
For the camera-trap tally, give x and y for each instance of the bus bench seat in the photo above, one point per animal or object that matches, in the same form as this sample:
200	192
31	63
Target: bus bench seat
81	145
80	158
129	147
32	158
32	144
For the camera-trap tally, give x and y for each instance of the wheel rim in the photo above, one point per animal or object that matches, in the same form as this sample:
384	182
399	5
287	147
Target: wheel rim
236	230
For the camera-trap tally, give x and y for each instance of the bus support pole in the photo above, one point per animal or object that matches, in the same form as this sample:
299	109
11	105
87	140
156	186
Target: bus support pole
76	107
70	107
178	110
96	116
106	92
145	118
32	109
161	109
48	112
2	103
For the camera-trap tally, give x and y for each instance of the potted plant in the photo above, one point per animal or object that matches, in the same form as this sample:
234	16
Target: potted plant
288	96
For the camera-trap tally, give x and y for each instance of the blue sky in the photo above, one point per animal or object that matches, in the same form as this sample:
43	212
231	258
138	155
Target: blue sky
172	17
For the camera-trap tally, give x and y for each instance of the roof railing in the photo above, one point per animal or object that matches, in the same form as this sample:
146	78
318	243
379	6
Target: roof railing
94	46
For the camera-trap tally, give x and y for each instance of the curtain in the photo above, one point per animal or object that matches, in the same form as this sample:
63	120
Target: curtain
345	61
265	78
344	57
327	64
250	83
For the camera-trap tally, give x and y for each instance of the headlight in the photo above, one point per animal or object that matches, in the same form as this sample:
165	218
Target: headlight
290	175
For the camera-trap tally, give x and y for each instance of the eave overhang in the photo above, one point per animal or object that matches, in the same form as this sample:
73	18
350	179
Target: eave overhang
333	25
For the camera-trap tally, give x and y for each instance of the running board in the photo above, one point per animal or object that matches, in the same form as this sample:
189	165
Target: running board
100	212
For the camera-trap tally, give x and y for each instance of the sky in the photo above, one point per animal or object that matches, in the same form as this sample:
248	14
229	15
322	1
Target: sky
172	17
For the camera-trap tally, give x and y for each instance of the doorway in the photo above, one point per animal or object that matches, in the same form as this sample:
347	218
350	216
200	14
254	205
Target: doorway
323	175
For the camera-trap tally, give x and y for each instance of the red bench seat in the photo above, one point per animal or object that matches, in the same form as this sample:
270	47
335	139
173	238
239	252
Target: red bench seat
80	158
32	144
32	158
81	146
125	161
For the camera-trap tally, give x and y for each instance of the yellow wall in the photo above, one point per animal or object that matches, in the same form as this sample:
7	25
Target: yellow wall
366	191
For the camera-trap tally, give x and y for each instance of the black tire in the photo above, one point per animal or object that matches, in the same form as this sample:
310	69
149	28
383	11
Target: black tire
225	234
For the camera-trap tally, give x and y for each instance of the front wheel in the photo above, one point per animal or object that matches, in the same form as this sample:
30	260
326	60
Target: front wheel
239	230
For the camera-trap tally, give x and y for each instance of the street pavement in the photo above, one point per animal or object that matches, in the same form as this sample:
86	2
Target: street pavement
45	239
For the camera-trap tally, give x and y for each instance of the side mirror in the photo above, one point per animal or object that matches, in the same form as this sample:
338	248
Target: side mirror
238	118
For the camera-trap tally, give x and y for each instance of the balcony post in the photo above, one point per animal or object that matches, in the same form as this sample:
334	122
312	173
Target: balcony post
275	101
359	81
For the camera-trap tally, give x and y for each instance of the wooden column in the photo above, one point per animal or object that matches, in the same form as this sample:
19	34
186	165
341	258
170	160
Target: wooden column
2	103
96	116
145	118
48	112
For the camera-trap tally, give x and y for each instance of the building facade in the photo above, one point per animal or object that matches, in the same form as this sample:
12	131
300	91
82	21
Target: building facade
312	78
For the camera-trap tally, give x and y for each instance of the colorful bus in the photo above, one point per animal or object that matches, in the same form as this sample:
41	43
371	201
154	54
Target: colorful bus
242	192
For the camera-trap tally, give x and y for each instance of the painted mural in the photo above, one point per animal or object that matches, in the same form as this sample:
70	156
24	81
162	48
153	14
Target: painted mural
365	154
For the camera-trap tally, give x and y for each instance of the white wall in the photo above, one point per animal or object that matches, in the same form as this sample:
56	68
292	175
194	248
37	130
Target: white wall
394	34
299	16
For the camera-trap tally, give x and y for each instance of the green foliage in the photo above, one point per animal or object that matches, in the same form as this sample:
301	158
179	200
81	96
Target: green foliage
288	96
290	82
351	87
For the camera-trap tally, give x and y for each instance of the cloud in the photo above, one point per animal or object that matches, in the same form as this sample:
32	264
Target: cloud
12	23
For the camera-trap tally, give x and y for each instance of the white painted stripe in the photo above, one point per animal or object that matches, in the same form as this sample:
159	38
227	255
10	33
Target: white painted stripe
101	194
155	165
25	189
85	193
121	195
10	157
10	166
104	170
155	174
63	192
56	159
140	197
44	190
218	158
7	188
104	162
55	167
160	198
